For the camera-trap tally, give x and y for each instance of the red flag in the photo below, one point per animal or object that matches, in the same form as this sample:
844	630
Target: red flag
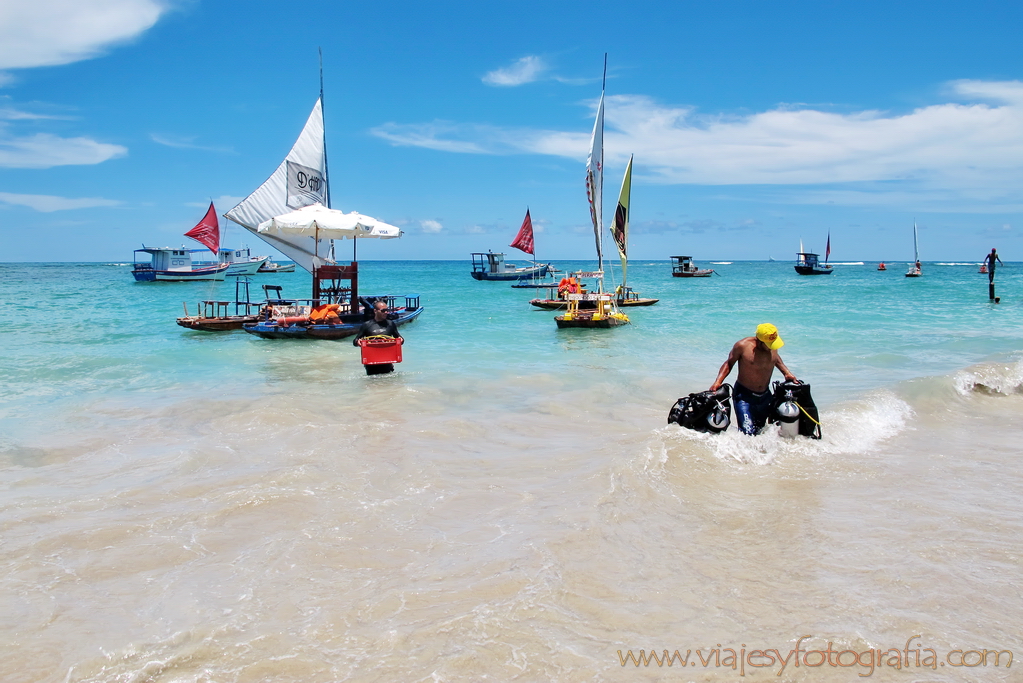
207	232
827	251
524	240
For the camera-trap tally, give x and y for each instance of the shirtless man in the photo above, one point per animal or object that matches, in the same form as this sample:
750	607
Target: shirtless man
757	357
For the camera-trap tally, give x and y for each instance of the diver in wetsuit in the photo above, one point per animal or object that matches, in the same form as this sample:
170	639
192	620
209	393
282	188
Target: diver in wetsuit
378	325
757	358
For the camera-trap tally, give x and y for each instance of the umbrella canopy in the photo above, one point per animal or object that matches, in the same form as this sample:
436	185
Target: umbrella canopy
322	223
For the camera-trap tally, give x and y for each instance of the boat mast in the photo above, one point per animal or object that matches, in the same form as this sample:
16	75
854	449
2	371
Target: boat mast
600	209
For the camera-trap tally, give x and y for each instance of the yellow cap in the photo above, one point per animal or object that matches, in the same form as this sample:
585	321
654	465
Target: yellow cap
768	334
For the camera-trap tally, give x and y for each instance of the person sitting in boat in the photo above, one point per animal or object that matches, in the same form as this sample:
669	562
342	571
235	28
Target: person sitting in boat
757	357
379	326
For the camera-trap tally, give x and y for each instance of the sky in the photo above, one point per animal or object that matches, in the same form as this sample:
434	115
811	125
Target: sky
753	125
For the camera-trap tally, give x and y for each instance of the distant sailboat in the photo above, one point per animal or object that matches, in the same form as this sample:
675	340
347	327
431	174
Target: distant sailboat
914	270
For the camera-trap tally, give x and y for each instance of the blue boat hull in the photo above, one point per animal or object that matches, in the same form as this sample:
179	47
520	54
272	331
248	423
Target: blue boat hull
269	329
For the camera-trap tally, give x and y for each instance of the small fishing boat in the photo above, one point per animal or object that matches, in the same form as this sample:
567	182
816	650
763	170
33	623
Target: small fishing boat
882	266
273	267
216	316
683	266
915	270
983	268
491	266
169	264
319	319
808	263
239	261
605	313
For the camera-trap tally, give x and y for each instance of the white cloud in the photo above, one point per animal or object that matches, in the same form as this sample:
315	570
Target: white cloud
976	146
187	143
48	203
43	150
524	70
431	226
50	32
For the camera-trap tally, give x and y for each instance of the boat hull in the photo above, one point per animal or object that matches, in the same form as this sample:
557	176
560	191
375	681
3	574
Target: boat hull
589	322
150	275
561	304
698	273
231	322
269	329
517	274
809	270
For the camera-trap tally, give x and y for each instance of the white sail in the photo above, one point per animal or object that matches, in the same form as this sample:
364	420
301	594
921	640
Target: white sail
299	181
594	178
916	250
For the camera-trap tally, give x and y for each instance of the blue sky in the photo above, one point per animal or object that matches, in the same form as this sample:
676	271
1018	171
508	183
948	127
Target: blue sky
753	124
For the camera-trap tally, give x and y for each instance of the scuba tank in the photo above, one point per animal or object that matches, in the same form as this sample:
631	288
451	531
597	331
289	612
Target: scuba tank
795	410
787	415
705	411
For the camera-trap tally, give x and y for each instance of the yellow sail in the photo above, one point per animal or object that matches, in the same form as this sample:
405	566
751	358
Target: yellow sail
620	225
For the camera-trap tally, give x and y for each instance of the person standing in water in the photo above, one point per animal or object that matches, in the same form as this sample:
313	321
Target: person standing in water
991	259
757	357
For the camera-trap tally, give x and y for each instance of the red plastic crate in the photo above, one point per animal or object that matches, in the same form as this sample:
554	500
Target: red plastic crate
377	351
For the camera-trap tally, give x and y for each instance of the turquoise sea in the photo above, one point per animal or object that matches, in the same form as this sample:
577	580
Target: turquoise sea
510	504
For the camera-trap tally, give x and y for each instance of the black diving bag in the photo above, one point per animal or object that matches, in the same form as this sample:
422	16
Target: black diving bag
705	411
809	418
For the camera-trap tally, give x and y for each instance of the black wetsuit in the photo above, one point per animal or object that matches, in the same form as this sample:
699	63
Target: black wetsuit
991	260
372	328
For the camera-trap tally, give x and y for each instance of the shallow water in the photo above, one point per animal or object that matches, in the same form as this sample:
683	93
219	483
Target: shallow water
509	504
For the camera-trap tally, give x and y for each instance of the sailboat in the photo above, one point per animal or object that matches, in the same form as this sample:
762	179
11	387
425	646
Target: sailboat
914	270
605	312
624	295
291	212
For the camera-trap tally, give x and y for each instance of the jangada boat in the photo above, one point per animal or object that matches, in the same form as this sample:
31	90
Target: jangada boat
605	311
291	212
216	315
683	266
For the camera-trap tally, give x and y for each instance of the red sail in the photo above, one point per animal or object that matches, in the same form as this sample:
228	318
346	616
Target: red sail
207	232
524	240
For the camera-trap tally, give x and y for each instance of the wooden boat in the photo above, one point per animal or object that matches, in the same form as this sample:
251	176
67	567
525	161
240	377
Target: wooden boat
916	269
623	297
491	266
683	266
294	319
605	313
216	316
335	310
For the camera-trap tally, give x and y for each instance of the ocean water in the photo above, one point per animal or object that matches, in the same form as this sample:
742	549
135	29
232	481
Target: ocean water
510	504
